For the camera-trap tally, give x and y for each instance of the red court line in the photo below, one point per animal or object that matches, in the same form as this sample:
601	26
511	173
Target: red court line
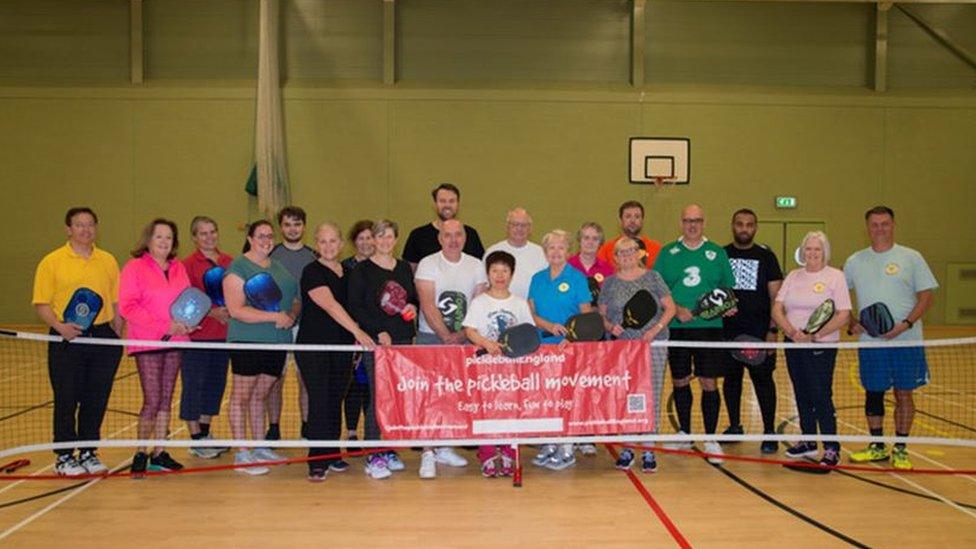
187	470
658	510
803	464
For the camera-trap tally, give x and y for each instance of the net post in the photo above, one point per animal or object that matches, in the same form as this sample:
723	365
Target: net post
517	475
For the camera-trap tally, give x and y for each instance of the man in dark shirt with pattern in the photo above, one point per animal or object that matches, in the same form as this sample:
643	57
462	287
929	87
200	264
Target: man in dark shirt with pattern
757	280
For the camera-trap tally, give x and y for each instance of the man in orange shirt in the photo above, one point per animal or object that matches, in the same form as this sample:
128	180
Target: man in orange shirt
631	224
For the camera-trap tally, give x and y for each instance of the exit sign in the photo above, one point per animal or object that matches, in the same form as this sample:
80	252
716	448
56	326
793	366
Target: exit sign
785	202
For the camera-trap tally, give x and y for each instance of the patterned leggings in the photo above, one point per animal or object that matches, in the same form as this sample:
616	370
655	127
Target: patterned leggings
157	374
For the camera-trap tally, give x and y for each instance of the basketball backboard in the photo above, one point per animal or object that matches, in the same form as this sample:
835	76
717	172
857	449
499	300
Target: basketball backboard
660	160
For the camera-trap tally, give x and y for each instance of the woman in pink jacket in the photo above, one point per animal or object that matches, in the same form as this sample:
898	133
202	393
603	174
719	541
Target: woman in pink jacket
149	284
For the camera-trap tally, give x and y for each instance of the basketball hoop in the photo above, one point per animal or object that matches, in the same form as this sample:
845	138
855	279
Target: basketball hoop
662	180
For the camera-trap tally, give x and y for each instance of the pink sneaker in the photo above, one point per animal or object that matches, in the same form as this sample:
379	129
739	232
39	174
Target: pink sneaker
508	466
489	467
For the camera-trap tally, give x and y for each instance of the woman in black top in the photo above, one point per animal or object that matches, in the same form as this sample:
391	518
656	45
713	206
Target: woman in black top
366	283
325	321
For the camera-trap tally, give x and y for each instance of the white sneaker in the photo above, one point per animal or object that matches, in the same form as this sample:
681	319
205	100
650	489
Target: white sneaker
712	447
428	465
393	462
203	452
545	453
90	462
266	454
587	449
376	467
68	466
245	457
447	456
680	445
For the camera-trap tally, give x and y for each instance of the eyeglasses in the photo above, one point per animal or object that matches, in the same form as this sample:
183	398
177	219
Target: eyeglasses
263	237
624	252
693	221
518	225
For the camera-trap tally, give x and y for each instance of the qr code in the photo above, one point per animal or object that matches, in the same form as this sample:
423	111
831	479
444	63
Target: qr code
636	404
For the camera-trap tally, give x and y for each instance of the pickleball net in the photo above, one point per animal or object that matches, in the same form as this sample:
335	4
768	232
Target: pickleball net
945	405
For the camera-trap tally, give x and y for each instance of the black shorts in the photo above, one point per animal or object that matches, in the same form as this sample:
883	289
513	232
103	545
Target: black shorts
252	363
707	362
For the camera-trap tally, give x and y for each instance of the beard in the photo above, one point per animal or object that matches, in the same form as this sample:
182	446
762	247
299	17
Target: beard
446	214
743	239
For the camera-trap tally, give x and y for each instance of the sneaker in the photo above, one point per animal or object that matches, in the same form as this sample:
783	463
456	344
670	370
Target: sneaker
266	454
376	467
164	462
648	463
769	447
587	449
68	466
91	463
545	452
219	449
203	452
508	467
393	462
625	459
801	450
317	475
712	447
139	462
899	459
680	445
447	456
874	452
244	457
733	430
830	458
489	467
428	465
274	433
561	460
339	466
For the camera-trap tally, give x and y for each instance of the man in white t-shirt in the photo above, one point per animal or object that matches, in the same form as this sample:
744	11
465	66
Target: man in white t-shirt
447	281
529	257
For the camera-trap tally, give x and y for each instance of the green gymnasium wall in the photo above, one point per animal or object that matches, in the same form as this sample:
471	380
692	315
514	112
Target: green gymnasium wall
545	124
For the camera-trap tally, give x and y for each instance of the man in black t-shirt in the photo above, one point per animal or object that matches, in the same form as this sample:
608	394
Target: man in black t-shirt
423	240
758	278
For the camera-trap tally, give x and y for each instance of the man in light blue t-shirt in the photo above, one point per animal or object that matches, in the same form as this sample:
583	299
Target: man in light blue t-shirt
901	279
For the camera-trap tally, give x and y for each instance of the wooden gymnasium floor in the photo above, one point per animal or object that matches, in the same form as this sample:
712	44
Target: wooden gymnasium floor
737	504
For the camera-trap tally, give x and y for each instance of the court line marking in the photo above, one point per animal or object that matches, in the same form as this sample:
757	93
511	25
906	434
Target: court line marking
676	534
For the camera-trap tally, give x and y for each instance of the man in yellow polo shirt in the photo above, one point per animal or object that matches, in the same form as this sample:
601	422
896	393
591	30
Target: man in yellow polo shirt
76	289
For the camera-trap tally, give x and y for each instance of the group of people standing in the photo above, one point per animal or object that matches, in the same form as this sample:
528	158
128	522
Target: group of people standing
459	293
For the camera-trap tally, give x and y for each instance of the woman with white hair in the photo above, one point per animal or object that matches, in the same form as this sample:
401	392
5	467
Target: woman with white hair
555	294
812	370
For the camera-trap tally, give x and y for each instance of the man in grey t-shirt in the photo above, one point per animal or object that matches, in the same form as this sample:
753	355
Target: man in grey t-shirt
294	255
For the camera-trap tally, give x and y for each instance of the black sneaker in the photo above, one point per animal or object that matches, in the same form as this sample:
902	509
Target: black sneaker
274	433
317	475
733	430
139	462
769	447
163	462
339	466
801	450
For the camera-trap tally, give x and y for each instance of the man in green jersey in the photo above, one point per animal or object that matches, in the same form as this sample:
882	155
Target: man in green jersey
692	266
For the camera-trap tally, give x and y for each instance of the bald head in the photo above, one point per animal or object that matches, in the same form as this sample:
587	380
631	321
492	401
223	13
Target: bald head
692	224
519	227
451	238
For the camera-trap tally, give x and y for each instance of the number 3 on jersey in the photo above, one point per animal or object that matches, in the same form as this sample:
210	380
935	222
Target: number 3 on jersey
693	277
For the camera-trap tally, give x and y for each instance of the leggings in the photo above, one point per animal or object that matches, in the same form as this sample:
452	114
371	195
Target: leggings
157	374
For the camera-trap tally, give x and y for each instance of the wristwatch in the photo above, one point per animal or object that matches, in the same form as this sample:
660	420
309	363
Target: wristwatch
909	322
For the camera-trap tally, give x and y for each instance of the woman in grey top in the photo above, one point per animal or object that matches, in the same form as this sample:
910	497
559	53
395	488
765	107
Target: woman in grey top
631	277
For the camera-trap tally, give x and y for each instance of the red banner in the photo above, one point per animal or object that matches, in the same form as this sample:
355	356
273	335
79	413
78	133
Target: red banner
448	392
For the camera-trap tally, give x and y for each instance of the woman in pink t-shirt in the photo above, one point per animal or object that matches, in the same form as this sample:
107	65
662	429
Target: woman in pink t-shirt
812	370
149	284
